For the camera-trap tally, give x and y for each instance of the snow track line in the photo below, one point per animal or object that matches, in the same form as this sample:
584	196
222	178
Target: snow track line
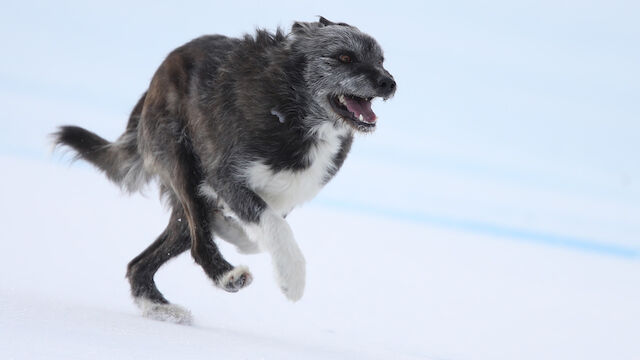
487	229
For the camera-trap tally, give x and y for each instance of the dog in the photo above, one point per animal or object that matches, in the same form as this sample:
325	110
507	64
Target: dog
237	132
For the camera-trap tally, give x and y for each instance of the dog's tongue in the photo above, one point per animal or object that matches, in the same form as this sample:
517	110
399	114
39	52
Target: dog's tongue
361	107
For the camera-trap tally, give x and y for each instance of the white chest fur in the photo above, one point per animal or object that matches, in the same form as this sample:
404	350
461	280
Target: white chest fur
285	189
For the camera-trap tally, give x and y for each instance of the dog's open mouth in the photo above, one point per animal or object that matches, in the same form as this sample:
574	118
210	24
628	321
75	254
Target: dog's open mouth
355	110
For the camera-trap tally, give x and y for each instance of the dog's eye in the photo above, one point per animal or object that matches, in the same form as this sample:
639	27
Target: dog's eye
345	58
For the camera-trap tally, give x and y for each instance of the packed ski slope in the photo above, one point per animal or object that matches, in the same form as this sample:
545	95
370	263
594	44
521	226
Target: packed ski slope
494	214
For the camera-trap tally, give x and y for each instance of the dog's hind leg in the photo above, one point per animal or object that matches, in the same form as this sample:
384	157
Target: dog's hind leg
173	241
180	171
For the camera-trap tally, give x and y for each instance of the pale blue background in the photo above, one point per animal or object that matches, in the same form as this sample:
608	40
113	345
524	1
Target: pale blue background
518	119
494	214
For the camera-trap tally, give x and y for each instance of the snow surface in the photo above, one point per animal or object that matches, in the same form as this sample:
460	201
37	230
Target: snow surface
494	214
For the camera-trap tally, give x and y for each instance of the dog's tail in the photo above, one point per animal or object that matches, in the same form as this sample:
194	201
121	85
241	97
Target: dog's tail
119	160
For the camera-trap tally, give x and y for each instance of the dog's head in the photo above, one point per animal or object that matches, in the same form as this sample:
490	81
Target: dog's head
343	70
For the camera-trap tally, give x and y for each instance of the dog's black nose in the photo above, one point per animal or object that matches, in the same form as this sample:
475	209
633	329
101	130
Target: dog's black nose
386	84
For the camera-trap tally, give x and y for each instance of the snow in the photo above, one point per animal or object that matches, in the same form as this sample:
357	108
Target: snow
377	287
494	214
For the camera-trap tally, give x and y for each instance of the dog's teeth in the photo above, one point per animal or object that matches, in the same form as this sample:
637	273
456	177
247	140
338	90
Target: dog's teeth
341	98
360	117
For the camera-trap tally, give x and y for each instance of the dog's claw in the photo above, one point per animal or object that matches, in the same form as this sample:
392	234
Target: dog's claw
241	281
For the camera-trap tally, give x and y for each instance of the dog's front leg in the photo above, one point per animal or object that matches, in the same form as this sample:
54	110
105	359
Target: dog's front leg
272	233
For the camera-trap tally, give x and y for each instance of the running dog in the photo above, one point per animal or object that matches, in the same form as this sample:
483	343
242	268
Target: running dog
237	133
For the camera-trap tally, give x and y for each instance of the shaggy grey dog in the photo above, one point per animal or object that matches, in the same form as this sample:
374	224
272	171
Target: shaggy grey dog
238	132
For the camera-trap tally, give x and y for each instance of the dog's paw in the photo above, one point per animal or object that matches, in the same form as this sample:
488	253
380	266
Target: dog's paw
291	275
164	312
235	279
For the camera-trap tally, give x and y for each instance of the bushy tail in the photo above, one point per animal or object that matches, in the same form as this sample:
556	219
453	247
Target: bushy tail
119	160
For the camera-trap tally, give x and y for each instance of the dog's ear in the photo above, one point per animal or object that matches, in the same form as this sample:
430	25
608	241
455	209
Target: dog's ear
326	22
305	27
